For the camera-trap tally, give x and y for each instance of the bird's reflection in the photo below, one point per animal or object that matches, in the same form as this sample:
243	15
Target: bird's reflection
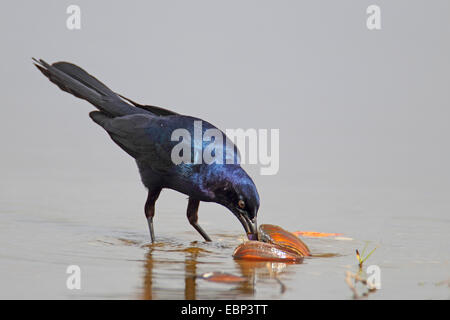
251	271
148	276
254	270
190	274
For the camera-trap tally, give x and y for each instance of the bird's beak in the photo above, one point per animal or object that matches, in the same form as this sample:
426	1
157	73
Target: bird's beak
253	235
250	226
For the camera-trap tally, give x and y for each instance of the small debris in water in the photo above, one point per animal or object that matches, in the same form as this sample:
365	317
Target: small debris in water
352	285
362	259
221	277
315	234
444	282
343	238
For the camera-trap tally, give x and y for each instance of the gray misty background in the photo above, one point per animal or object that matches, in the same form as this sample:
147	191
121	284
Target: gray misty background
363	118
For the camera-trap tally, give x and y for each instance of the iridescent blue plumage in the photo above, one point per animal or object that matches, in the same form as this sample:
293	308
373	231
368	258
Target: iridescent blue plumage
146	133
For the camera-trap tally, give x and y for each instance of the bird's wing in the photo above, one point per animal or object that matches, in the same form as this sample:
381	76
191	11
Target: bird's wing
142	136
148	138
153	109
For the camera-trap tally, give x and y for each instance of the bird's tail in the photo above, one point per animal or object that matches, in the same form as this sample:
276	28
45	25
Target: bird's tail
71	78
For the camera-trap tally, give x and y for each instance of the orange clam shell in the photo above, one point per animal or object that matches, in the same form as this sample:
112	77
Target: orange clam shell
262	251
277	235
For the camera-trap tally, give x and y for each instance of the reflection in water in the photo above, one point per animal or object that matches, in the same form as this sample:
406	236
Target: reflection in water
190	271
261	270
252	271
148	276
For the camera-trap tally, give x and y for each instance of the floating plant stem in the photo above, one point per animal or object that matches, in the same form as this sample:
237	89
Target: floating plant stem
361	258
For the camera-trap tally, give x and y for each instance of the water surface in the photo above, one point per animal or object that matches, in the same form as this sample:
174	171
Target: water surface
41	233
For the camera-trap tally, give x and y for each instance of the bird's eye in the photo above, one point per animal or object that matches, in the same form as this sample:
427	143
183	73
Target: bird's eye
241	204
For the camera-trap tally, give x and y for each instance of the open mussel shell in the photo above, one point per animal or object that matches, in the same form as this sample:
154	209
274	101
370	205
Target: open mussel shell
277	235
262	251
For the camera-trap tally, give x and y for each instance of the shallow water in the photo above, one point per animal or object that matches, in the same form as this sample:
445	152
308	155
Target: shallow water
42	233
363	118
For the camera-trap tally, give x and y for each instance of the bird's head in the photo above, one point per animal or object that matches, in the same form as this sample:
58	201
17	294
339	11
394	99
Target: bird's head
235	190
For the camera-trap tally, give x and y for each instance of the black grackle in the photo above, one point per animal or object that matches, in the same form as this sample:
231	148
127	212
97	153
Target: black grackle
144	132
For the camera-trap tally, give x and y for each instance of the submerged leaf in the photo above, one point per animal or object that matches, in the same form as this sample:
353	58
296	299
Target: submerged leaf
315	234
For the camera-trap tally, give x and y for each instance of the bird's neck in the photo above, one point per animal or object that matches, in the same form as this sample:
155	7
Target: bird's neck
214	177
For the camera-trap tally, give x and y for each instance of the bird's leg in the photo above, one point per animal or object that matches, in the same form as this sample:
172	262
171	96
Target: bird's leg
150	209
192	215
